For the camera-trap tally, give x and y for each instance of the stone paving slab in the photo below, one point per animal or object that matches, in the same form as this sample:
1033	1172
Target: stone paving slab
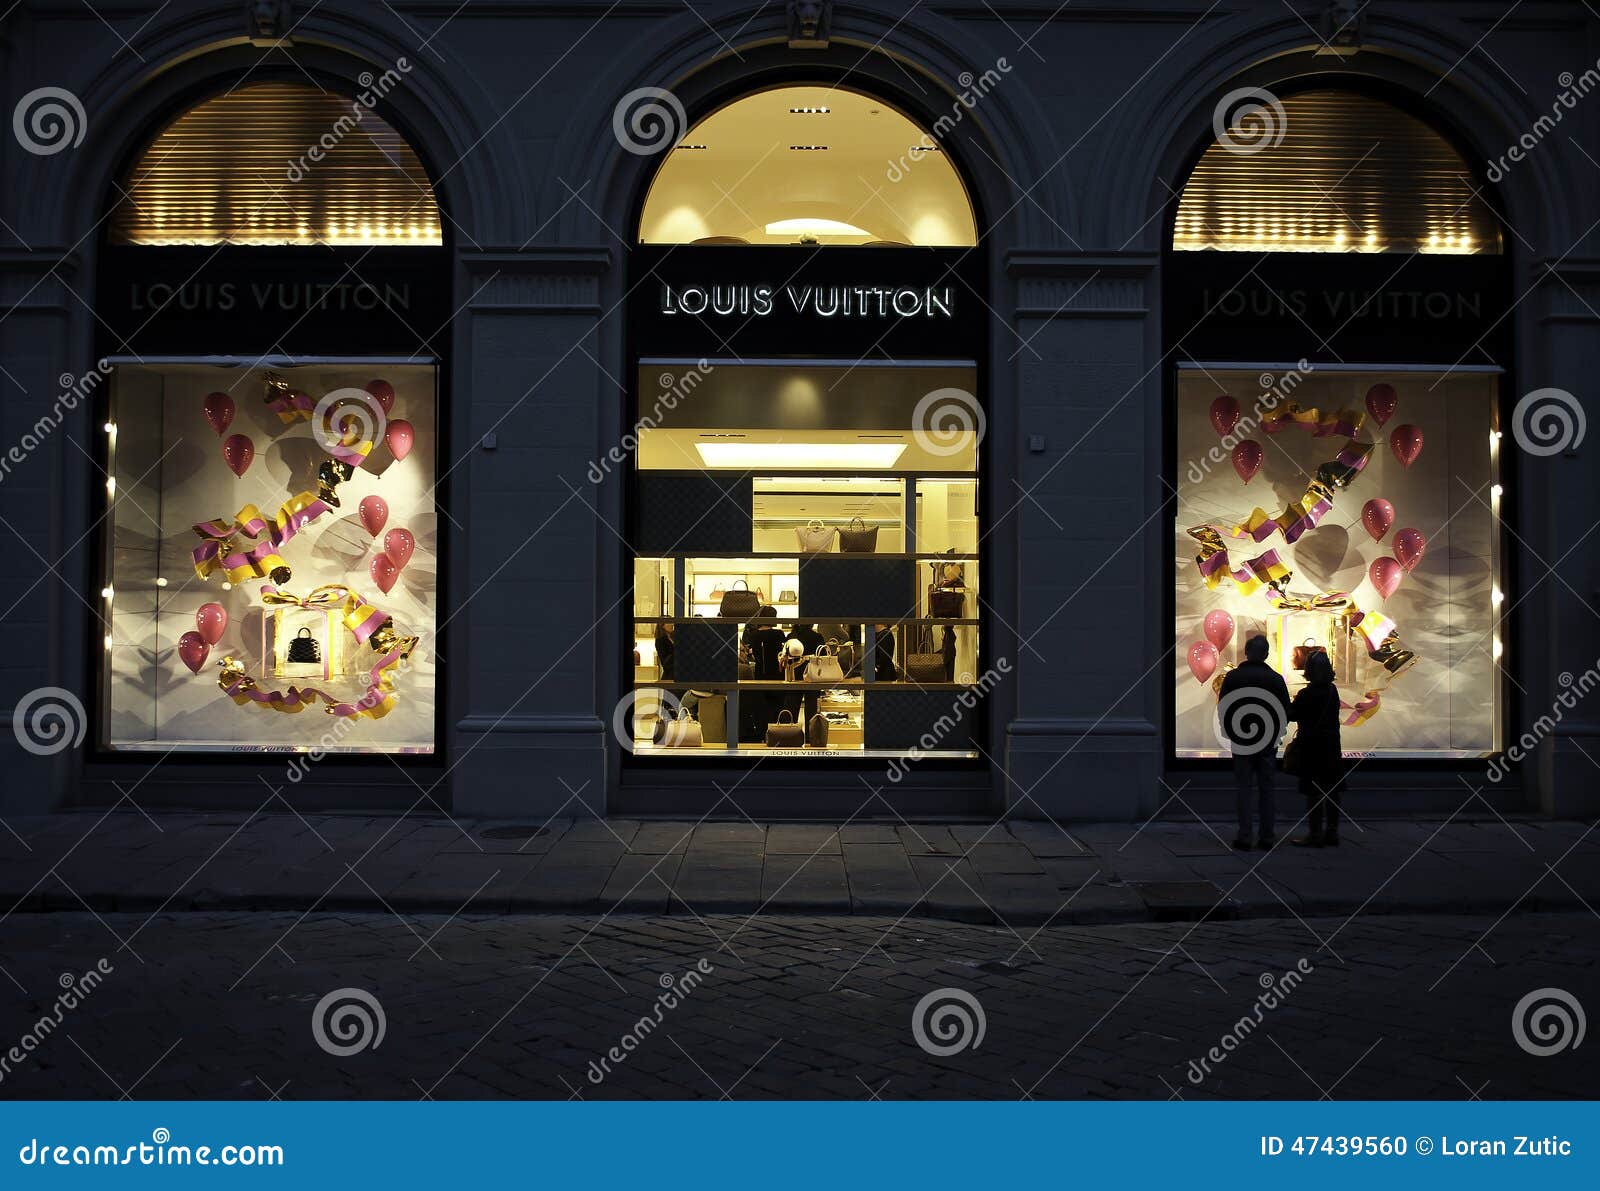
1021	874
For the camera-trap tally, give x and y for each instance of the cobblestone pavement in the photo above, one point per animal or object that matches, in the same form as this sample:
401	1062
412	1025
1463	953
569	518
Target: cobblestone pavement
222	1005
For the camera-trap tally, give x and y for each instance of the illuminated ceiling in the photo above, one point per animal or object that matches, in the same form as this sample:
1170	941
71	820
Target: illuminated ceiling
798	163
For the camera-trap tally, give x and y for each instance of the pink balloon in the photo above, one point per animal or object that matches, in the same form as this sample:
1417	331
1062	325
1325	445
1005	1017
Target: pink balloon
238	452
1377	515
218	409
383	393
383	572
398	545
1385	574
399	436
1381	402
374	513
1247	457
1406	443
192	648
1202	660
1219	628
1224	415
212	621
1408	547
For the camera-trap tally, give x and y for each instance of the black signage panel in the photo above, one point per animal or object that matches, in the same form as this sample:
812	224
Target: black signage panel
1350	307
295	301
827	302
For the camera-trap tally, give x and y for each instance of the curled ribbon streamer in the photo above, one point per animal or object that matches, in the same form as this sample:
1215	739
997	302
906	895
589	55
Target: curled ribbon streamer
1326	601
1344	424
1307	513
1362	709
1265	570
219	550
292	406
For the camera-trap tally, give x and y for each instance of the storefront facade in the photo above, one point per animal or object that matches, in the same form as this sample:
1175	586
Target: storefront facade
403	399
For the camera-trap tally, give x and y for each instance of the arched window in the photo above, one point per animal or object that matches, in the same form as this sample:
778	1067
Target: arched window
1331	171
277	163
808	165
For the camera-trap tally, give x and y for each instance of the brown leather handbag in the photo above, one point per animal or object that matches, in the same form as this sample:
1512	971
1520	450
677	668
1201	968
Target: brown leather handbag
858	538
1302	653
739	601
785	733
925	667
817	731
944	604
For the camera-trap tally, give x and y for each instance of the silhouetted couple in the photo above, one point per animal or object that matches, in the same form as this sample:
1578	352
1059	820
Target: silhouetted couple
1255	709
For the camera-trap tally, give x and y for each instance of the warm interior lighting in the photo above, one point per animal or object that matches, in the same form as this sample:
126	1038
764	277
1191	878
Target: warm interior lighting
814	227
799	454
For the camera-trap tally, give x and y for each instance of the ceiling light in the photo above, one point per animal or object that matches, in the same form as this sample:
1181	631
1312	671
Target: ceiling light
807	148
814	227
800	454
809	111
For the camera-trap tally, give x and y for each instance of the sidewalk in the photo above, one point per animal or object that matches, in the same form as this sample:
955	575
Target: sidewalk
1017	873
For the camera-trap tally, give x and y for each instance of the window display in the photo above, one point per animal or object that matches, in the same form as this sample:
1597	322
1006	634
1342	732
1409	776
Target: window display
1358	517
270	568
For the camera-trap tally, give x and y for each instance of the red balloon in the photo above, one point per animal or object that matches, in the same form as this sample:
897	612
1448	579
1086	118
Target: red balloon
1381	402
1224	414
383	393
1406	443
218	409
399	436
212	621
1377	515
1408	547
374	513
192	648
383	572
1202	660
398	545
1219	628
1247	457
238	452
1385	574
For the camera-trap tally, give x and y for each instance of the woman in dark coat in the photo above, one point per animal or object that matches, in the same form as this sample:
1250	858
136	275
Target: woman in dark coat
1318	752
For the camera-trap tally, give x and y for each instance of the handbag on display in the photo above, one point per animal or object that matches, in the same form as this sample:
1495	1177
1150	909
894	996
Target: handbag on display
858	538
814	537
739	601
682	734
825	666
785	733
303	647
817	731
788	597
944	604
924	667
1302	653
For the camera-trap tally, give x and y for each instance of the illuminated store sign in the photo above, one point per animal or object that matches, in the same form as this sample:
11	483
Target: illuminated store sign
820	301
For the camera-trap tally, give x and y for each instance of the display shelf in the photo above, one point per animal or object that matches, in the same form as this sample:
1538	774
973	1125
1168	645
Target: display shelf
777	684
810	618
788	555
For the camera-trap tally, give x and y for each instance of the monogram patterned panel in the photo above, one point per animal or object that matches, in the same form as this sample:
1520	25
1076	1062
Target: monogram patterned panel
690	512
841	587
898	719
707	652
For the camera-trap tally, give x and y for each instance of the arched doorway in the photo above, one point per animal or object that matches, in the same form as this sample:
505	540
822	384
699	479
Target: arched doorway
1336	284
805	459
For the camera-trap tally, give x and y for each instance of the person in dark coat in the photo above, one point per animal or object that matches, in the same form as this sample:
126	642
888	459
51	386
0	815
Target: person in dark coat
1253	706
1318	751
763	640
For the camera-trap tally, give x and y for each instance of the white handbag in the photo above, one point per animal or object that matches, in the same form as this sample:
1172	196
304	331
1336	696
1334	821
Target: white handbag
814	537
825	665
681	734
